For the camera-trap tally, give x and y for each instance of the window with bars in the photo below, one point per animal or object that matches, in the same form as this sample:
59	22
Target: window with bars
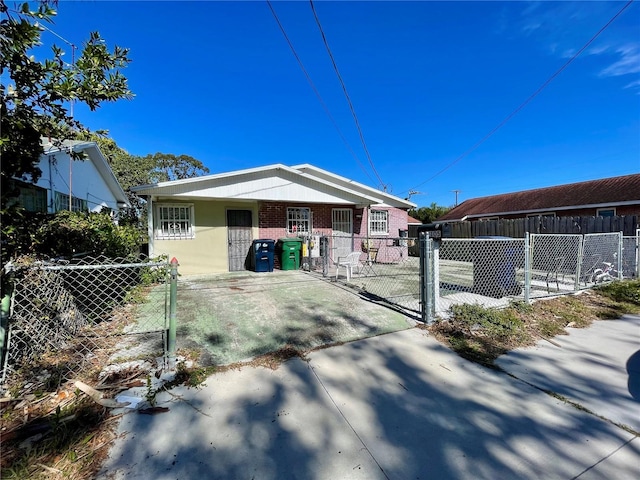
342	222
174	222
62	203
298	220
378	222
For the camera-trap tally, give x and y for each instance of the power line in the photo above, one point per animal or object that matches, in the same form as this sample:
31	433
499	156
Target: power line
315	90
531	97
346	94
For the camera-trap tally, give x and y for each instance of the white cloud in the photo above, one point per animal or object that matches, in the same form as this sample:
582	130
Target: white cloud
561	28
633	84
627	63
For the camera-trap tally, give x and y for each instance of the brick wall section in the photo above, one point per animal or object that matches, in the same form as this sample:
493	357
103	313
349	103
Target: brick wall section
390	250
272	222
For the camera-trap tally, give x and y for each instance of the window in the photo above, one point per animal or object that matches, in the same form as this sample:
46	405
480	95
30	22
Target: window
606	212
174	222
341	222
378	222
62	203
298	220
32	197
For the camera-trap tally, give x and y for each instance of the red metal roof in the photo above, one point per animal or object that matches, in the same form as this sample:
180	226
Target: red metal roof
615	190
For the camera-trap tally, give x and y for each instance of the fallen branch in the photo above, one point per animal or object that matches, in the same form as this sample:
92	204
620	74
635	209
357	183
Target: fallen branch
96	396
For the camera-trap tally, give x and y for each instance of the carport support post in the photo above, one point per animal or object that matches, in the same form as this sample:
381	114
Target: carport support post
173	294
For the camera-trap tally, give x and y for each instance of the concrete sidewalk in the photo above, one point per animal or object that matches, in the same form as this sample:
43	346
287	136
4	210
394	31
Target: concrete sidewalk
397	406
597	367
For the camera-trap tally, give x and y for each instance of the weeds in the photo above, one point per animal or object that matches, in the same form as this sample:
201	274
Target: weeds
625	292
482	334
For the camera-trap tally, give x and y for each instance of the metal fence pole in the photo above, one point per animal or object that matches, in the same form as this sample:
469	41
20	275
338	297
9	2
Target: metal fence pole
324	247
638	253
528	254
619	259
426	278
579	264
173	294
5	313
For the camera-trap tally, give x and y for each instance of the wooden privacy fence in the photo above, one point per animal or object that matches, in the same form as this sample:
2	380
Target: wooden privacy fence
517	227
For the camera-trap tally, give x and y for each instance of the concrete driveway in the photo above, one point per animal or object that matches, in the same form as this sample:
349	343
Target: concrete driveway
236	316
396	406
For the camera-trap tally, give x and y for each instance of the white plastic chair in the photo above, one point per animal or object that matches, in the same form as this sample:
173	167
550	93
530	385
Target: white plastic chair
349	263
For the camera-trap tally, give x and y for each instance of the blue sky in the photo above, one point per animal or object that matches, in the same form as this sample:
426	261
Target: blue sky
217	81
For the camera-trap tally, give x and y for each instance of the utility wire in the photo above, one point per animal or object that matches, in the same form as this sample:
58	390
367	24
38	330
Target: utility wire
346	94
531	97
315	90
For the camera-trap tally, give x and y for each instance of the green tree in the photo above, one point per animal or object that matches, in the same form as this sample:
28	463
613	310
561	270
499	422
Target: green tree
132	170
430	213
35	95
167	167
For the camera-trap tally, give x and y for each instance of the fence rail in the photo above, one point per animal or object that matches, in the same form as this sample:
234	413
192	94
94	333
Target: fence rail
64	315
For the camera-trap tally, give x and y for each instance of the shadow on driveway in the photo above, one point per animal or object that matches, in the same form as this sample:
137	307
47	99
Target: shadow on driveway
236	316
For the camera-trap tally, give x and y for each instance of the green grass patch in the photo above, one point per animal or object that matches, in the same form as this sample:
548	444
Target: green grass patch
626	292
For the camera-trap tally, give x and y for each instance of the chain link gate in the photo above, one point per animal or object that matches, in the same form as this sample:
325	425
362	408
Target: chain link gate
65	316
379	267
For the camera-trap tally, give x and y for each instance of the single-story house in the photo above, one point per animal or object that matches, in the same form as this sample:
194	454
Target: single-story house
70	183
208	223
607	197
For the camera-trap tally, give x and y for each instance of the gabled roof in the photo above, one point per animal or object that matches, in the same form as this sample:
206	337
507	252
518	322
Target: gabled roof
276	183
385	198
606	192
94	154
413	221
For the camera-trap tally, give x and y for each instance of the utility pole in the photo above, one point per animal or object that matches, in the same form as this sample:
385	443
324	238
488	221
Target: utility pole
456	192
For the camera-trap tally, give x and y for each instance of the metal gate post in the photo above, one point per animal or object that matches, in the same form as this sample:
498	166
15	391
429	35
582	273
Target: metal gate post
426	278
579	265
528	254
173	294
619	262
638	253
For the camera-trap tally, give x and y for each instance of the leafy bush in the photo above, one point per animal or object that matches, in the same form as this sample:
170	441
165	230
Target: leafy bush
70	234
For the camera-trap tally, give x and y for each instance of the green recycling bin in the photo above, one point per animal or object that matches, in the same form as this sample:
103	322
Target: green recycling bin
289	249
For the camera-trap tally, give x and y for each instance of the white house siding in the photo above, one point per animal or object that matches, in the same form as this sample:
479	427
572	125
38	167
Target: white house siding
84	181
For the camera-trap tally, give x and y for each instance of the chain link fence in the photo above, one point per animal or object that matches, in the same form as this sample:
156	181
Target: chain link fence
381	268
65	316
490	271
486	271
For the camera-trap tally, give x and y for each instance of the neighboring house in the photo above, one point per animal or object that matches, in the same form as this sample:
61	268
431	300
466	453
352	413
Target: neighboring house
607	197
209	222
66	183
413	224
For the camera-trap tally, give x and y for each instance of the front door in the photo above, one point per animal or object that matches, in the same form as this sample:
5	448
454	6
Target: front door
239	238
342	226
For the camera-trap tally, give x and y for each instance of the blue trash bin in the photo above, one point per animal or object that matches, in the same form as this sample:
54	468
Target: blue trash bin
262	255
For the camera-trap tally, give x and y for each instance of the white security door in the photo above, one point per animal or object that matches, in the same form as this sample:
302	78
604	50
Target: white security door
342	225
